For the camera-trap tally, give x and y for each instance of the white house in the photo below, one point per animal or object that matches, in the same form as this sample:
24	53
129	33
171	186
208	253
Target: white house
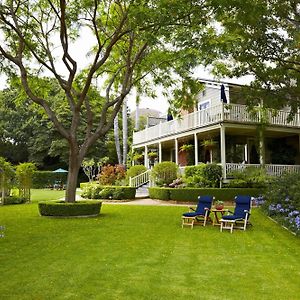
226	132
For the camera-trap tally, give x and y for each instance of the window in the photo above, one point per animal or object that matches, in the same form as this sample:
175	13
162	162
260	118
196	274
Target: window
204	104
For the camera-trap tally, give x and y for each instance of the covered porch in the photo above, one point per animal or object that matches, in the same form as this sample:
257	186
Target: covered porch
233	146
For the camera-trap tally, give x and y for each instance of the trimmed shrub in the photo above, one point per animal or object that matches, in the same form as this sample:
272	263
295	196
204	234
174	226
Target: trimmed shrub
95	191
135	170
14	200
203	175
164	173
159	193
191	194
64	209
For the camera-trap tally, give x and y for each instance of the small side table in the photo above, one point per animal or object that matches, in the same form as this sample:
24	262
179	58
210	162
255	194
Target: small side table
217	218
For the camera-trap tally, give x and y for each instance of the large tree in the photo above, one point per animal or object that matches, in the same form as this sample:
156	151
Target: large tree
37	39
261	38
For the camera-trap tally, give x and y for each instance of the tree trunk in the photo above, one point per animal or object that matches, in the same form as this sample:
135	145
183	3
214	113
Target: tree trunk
117	141
74	166
125	132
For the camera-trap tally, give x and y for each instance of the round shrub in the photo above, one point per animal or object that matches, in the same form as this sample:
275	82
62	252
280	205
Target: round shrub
164	173
135	170
89	208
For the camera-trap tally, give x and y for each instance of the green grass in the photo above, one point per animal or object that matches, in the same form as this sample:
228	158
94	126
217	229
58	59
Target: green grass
141	252
46	194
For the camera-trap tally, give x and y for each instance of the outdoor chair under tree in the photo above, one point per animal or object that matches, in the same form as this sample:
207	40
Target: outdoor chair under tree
240	217
200	215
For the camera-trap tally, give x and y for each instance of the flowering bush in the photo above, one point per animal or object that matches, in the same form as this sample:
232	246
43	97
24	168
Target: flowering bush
283	201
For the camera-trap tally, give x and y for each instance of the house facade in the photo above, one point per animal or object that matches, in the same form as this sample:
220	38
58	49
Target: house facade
223	130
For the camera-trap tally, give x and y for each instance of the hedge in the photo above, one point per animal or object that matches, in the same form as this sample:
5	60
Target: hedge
64	209
96	191
14	200
191	194
159	193
44	179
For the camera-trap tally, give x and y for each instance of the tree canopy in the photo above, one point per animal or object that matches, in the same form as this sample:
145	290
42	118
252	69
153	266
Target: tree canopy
261	38
132	41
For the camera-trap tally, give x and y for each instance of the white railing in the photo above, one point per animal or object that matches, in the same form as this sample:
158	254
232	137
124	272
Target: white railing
140	179
229	113
270	168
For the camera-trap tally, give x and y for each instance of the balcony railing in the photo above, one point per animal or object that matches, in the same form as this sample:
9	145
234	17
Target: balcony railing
230	113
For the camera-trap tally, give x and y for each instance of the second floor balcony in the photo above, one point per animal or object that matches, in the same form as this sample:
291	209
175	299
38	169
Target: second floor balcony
231	113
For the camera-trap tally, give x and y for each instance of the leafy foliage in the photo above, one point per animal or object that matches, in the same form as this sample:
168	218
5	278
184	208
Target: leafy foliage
111	174
203	175
249	177
92	191
261	38
283	200
164	173
24	175
135	170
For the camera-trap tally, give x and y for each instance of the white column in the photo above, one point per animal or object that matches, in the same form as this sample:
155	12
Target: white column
223	149
261	147
159	152
146	157
176	151
196	148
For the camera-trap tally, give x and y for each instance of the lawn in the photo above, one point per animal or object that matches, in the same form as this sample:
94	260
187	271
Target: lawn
141	252
45	194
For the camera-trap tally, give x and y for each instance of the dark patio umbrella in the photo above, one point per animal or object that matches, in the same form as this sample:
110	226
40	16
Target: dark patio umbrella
223	94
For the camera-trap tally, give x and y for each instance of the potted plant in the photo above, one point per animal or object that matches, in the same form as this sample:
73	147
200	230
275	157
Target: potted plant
219	205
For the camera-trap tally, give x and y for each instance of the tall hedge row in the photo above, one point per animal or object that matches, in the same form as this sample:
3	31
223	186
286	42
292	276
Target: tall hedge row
191	194
44	179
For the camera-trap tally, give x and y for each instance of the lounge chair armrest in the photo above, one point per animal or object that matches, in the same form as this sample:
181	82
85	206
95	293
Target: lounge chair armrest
247	211
206	208
192	208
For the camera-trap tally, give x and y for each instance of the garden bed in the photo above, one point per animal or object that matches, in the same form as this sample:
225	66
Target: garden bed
89	208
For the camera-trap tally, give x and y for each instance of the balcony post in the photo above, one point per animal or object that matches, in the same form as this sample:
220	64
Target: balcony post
159	152
222	111
223	150
196	148
176	151
146	157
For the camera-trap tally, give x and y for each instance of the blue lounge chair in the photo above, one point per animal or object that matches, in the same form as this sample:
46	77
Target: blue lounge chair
200	215
240	217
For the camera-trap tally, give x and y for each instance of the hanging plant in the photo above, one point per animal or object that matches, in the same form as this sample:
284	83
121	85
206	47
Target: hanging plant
152	155
209	144
186	148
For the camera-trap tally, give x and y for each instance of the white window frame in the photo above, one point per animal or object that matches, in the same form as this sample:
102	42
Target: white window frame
204	102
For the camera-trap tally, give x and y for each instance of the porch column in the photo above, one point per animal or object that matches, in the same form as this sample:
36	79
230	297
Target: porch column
196	148
223	150
176	151
261	148
159	152
146	157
